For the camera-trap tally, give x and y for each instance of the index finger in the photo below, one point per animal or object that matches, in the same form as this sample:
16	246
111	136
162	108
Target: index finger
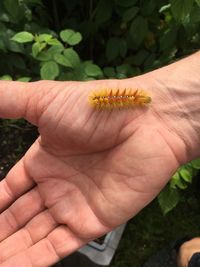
16	183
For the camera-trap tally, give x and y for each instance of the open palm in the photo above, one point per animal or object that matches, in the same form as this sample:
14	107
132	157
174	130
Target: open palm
88	172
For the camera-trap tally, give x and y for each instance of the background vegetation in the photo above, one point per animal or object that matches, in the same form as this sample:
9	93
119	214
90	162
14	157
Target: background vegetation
95	39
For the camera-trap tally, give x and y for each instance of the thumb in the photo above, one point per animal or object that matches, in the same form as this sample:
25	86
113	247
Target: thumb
15	99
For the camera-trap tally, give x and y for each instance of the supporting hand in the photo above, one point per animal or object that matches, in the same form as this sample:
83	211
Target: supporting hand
88	172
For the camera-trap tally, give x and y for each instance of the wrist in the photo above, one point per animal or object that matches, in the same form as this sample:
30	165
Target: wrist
177	101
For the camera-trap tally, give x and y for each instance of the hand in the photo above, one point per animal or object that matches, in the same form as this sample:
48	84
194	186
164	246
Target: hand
88	172
187	250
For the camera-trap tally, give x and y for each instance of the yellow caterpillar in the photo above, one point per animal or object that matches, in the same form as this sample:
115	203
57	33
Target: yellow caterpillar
118	98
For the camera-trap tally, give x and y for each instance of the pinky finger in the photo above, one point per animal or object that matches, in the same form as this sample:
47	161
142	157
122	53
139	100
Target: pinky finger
59	243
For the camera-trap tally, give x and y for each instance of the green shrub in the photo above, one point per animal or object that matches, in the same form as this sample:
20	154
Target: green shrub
124	38
171	194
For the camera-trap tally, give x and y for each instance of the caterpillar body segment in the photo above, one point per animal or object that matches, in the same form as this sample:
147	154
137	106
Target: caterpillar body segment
118	98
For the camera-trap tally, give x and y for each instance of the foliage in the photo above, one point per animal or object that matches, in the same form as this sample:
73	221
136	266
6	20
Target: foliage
149	232
170	196
51	40
85	40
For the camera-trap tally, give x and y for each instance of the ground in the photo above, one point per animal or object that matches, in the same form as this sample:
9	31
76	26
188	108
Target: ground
150	231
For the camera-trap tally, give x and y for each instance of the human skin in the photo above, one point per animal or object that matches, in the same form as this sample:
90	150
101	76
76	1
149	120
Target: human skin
89	170
187	250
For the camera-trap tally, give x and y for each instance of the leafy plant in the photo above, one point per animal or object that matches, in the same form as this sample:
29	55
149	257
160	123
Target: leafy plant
171	195
124	38
57	60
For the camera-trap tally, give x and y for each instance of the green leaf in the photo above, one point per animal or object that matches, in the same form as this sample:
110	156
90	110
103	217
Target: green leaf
2	27
130	13
14	9
186	175
181	9
140	57
23	37
9	44
112	48
198	2
122	47
70	37
196	164
136	71
72	56
93	70
164	8
79	73
24	79
168	39
103	12
38	2
6	78
125	70
43	37
47	38
109	72
15	47
49	70
2	45
53	41
62	60
37	48
148	7
177	182
195	15
149	62
44	56
4	17
67	76
120	75
126	3
56	49
138	30
168	199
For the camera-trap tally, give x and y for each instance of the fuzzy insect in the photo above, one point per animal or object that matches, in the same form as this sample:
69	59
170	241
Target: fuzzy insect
118	98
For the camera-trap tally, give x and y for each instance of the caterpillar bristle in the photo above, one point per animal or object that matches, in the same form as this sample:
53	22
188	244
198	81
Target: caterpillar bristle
118	98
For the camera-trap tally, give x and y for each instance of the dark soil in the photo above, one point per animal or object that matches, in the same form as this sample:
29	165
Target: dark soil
15	138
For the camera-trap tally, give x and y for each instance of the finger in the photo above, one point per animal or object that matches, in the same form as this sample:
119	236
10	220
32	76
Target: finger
25	100
16	183
58	244
35	230
20	212
14	97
